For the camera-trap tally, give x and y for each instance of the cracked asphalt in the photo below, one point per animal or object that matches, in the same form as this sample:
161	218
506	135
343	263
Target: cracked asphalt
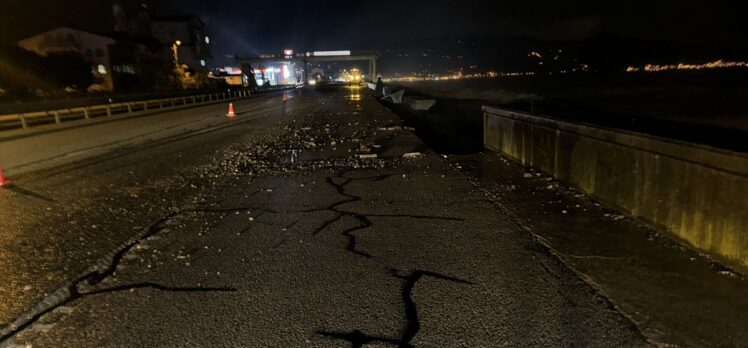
302	225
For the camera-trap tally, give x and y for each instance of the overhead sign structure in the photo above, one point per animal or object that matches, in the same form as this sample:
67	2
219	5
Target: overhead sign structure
305	58
331	53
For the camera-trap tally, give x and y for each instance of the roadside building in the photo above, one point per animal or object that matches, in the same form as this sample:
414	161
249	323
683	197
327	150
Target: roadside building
119	61
137	53
131	17
187	34
140	63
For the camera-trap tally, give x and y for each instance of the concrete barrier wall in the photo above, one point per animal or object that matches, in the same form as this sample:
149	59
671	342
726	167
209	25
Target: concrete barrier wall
695	192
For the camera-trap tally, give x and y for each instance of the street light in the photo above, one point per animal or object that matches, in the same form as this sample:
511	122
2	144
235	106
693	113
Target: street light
175	49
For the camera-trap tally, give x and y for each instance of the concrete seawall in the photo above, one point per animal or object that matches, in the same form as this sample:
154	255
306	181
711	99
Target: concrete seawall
697	193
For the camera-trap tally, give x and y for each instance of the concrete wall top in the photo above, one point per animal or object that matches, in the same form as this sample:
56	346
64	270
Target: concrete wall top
716	158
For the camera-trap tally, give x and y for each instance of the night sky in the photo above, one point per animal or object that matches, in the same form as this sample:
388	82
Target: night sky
252	27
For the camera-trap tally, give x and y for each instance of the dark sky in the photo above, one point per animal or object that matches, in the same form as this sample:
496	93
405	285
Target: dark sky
273	24
252	27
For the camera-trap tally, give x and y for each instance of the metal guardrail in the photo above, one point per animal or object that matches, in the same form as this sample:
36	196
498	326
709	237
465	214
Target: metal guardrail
57	116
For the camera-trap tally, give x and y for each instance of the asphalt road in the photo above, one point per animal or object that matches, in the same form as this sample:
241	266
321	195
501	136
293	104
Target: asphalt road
27	150
281	229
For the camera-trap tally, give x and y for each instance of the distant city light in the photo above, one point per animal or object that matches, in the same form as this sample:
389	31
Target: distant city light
331	53
207	40
458	76
101	69
719	64
288	52
202	62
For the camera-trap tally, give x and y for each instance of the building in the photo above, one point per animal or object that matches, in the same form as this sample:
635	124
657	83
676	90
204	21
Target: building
94	48
188	34
138	52
185	33
183	38
132	18
119	61
140	63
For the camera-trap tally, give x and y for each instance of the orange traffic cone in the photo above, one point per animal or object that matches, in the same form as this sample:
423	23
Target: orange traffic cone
285	97
4	182
231	111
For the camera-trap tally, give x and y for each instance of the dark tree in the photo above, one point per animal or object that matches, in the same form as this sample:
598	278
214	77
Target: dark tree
21	72
24	74
69	69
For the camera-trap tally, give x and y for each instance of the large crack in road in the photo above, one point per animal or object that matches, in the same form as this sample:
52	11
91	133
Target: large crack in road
412	324
85	285
363	219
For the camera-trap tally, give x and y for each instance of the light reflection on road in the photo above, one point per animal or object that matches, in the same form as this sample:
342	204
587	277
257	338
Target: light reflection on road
355	92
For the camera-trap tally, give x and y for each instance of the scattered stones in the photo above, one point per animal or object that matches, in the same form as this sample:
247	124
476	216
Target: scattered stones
728	274
312	143
615	217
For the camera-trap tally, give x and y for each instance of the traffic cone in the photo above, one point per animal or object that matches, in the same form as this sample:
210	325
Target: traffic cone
4	182
285	97
231	111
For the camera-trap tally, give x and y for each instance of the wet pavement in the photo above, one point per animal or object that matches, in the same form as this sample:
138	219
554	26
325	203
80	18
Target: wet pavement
324	222
674	294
